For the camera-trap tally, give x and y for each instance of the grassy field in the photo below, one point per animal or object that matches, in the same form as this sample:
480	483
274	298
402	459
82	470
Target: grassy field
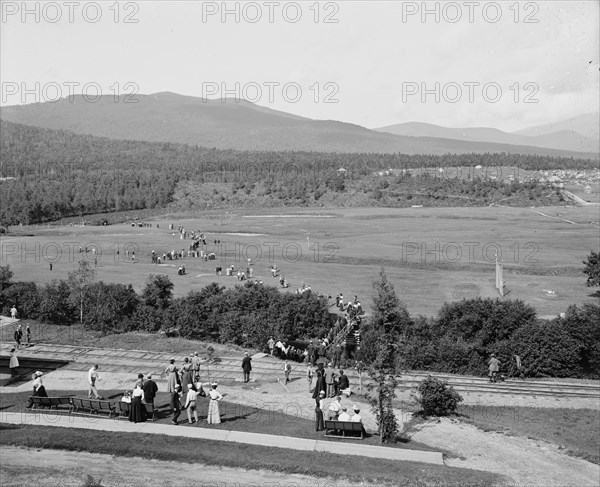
234	417
239	418
574	430
432	255
251	457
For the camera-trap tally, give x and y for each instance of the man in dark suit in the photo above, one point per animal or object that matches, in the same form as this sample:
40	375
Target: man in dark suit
246	367
150	389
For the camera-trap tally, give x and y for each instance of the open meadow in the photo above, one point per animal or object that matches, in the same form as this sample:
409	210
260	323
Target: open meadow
432	255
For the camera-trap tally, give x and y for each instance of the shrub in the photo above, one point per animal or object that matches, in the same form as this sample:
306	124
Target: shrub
437	398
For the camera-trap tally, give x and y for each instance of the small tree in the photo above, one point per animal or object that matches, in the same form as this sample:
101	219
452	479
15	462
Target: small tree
389	321
158	291
5	277
592	269
437	398
55	305
79	282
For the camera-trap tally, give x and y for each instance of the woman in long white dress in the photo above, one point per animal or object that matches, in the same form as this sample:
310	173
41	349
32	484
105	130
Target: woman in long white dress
214	414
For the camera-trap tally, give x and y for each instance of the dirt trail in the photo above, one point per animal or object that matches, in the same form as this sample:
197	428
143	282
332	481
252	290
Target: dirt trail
57	468
528	462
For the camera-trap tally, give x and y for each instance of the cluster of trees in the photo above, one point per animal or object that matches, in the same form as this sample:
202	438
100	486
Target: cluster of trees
245	315
464	335
59	174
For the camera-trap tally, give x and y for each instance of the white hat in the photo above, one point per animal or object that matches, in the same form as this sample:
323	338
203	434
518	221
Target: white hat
190	386
39	373
356	408
322	393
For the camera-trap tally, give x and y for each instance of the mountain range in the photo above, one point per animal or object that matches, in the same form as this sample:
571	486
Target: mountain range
241	125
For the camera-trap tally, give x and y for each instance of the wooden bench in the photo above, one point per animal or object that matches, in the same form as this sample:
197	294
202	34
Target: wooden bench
344	426
152	411
94	406
123	408
51	402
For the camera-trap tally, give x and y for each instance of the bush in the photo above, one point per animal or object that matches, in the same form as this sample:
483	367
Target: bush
25	296
437	398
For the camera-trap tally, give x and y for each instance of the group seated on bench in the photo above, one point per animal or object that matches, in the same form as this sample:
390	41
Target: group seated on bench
352	427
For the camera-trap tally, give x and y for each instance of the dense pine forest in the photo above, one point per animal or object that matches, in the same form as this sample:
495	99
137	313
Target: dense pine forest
50	174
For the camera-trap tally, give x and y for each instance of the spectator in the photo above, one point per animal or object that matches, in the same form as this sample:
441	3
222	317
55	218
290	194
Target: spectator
190	404
13	363
344	416
137	410
271	345
287	368
13	312
356	418
309	376
343	384
319	405
246	367
196	364
176	404
150	389
494	365
38	388
334	408
18	336
214	414
93	377
329	380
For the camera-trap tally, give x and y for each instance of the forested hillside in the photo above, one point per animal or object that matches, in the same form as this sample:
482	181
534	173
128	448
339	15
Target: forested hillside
49	174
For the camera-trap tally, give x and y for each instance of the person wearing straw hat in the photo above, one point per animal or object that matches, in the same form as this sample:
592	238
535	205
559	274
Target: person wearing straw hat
214	414
38	388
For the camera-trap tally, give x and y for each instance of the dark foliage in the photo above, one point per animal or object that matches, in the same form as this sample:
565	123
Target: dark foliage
437	398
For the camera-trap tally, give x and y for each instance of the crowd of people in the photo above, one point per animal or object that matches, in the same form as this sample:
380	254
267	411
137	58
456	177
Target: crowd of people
184	384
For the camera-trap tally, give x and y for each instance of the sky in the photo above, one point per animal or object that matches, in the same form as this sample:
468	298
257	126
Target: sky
504	64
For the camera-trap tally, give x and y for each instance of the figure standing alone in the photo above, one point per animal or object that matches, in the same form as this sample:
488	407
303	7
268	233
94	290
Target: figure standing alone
494	365
246	366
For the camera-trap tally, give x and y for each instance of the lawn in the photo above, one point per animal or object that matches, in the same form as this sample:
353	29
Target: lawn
234	417
576	431
432	255
251	457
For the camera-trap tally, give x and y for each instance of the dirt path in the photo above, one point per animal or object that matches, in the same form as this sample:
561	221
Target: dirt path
57	468
527	462
530	463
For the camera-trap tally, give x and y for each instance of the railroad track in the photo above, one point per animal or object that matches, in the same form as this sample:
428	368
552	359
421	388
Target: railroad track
269	369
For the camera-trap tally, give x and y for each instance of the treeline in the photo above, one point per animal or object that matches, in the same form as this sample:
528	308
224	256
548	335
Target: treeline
460	339
245	315
61	174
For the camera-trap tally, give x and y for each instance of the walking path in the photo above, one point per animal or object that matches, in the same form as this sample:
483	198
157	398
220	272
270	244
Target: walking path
35	418
128	363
